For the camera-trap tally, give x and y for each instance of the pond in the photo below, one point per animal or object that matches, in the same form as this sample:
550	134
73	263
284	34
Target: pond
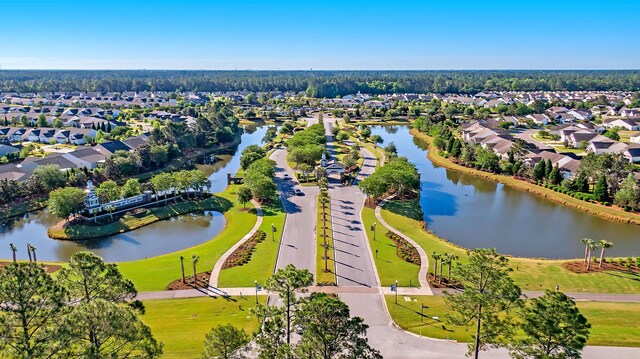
155	239
477	213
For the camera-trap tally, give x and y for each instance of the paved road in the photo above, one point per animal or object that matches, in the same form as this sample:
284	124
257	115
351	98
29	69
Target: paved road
298	240
354	266
526	135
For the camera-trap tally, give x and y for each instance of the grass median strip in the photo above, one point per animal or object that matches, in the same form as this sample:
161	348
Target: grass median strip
529	274
263	259
155	273
324	277
612	324
181	324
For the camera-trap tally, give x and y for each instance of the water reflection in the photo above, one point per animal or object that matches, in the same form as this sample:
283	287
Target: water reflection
473	212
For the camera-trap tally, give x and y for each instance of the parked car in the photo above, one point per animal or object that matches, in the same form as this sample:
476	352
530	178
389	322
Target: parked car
298	192
286	176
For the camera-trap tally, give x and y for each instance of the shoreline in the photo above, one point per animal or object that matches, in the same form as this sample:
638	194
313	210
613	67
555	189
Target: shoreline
128	223
560	198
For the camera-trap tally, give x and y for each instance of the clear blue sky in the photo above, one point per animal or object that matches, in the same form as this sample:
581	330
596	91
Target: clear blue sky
324	34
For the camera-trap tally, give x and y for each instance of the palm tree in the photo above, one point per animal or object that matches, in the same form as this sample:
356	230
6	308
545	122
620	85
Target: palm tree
452	257
443	260
586	242
14	250
194	261
604	244
592	246
436	258
29	251
33	250
182	266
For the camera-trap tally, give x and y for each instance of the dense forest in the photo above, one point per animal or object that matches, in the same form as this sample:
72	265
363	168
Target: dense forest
317	83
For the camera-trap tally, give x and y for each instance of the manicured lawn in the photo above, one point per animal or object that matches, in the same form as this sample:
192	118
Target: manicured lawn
156	273
529	274
322	277
625	135
181	324
612	324
390	267
263	258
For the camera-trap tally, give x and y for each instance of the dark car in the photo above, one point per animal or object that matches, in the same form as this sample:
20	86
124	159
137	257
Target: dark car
298	192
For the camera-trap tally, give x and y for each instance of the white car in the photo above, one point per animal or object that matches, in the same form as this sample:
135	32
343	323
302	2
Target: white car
286	176
298	192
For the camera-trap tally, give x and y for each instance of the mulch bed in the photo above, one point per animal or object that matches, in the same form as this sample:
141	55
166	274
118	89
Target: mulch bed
202	281
404	249
242	254
49	268
580	267
443	283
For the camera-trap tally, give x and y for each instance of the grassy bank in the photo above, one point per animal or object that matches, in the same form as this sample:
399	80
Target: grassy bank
156	273
129	222
263	260
529	274
322	277
612	213
390	267
181	324
612	324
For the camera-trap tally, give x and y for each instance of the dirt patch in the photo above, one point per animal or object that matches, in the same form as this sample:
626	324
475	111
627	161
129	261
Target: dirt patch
580	267
49	268
202	281
443	282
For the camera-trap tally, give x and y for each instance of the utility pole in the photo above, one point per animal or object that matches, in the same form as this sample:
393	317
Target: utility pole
14	250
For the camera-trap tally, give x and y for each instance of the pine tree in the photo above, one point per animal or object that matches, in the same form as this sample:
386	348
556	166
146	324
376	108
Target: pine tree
548	167
555	177
539	170
601	190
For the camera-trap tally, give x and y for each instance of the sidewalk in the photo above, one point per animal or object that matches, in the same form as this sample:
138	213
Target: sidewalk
424	260
215	273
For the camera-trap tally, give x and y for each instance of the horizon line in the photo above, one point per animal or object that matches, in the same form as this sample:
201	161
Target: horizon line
320	70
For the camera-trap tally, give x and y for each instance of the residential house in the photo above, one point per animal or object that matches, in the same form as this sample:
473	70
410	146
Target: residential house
626	123
632	153
87	157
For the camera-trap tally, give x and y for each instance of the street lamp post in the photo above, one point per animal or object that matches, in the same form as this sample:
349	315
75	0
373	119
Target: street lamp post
373	228
273	231
257	290
394	288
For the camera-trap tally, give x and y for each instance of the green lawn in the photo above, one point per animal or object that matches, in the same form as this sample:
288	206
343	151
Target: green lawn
529	274
390	267
156	273
612	324
181	324
322	277
130	222
265	253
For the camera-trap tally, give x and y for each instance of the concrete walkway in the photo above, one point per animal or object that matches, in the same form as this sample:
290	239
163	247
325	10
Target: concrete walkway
424	259
215	273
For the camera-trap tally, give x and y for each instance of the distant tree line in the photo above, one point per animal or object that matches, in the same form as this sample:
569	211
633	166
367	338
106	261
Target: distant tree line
319	83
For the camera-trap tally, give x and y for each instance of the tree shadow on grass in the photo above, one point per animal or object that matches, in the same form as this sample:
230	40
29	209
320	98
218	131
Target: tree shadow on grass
406	208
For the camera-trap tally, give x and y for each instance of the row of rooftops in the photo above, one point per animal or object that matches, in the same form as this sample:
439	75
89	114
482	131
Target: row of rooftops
487	134
89	157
